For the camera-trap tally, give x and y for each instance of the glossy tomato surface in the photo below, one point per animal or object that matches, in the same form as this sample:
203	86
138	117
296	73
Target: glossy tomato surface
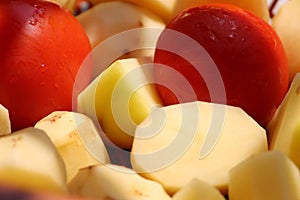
42	48
239	46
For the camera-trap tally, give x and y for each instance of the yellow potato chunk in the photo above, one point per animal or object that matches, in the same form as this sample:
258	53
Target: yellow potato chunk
197	189
285	130
117	183
162	8
76	138
269	175
258	7
178	143
29	160
287	26
120	99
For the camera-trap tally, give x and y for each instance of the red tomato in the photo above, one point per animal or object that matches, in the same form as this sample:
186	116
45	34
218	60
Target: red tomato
42	48
245	51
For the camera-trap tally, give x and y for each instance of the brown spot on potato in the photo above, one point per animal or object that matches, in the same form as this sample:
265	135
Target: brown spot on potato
140	24
15	140
55	118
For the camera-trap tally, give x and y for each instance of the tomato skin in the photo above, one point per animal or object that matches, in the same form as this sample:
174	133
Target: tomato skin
247	52
42	48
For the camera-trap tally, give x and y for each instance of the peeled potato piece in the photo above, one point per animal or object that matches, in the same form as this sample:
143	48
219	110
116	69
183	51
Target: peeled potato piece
76	138
120	98
68	4
197	189
258	7
5	127
29	160
107	19
268	175
162	8
178	143
285	130
115	182
287	26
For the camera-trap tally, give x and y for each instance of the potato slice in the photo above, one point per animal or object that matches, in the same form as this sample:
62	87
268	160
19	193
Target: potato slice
178	143
285	130
29	160
115	182
268	175
76	138
67	4
107	19
287	26
120	98
5	127
162	8
197	189
258	7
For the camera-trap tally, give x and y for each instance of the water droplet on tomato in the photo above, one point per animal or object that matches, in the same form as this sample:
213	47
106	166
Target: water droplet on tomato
32	21
219	19
231	36
43	68
40	12
225	14
212	36
37	14
233	24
